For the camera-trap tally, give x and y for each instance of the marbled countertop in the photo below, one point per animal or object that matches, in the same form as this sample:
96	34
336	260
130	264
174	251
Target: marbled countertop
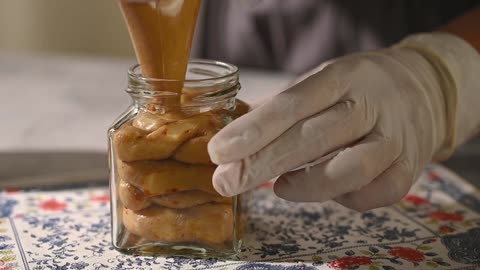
55	111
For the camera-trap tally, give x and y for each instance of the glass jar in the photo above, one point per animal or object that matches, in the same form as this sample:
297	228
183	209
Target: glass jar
162	198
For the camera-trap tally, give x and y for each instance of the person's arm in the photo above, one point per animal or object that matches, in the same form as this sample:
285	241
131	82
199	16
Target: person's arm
466	27
461	93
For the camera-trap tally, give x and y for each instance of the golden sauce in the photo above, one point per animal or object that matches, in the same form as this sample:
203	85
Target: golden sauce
162	32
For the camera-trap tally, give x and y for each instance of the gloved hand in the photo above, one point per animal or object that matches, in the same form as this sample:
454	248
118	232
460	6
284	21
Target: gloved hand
391	111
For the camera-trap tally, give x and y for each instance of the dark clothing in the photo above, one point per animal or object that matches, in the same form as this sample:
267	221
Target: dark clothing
297	35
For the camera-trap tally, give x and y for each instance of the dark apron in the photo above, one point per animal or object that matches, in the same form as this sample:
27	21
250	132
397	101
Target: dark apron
296	35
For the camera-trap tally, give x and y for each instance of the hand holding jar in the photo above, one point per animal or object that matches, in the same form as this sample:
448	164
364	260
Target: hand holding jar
387	112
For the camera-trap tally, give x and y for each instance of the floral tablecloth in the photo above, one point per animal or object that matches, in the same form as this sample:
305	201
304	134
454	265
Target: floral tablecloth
436	226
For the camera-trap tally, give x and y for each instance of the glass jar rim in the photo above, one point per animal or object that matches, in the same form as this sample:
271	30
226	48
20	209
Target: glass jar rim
134	72
215	83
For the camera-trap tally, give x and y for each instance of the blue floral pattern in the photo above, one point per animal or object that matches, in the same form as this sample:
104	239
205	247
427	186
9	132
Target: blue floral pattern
6	206
436	226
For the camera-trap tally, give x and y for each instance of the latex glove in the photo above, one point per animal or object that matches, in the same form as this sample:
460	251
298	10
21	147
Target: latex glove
386	109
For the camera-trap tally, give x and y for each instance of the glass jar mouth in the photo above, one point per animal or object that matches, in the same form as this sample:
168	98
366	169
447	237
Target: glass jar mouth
208	83
224	71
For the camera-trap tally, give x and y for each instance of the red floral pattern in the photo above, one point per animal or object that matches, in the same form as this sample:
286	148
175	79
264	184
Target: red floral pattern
416	200
10	191
101	198
409	254
3	266
445	229
442	216
350	261
433	176
266	185
52	205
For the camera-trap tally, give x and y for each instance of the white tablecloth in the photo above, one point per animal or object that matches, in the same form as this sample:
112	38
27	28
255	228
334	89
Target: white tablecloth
437	226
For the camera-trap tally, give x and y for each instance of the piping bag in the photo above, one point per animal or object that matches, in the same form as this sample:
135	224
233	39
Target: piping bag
161	32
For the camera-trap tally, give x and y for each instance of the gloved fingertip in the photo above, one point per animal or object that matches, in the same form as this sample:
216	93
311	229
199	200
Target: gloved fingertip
231	144
221	150
282	188
349	202
214	154
225	179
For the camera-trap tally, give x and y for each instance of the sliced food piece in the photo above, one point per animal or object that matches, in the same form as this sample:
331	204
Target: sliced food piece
131	197
194	151
156	178
187	199
208	224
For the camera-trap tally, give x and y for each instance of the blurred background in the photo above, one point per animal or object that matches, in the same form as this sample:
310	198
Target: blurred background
63	67
64	27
